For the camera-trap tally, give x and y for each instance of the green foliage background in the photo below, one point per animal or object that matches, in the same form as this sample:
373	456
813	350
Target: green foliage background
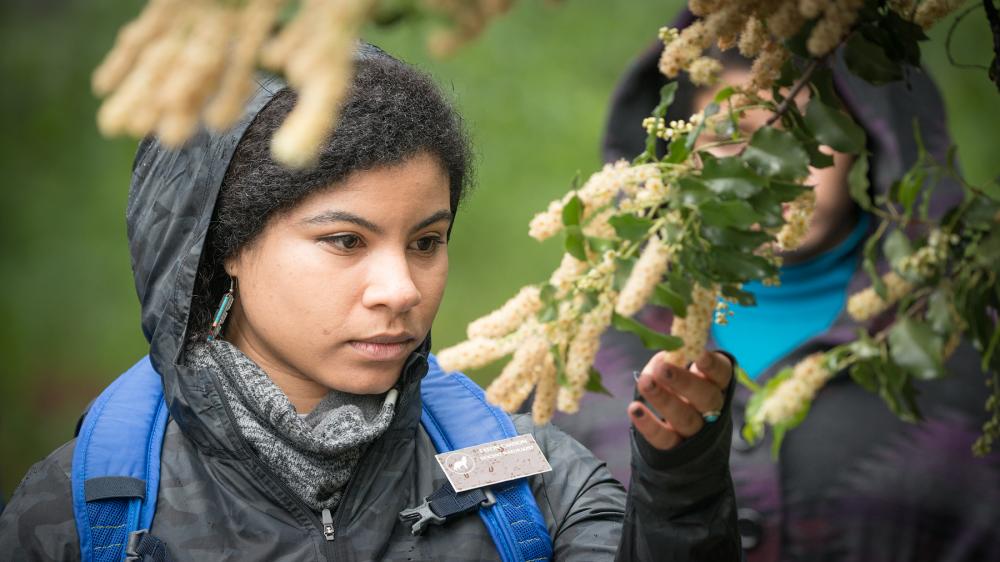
533	90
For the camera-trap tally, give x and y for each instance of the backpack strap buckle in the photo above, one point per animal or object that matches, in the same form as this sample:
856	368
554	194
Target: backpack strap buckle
444	504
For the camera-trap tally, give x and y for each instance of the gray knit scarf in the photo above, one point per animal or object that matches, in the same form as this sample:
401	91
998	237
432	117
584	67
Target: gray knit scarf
314	454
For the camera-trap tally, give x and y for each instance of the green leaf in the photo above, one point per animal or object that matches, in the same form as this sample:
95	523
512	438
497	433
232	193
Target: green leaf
730	177
898	392
623	268
666	98
600	245
906	190
740	266
745	240
664	296
866	376
682	287
744	298
869	61
822	81
693	191
870	253
776	153
572	211
736	213
833	127
724	94
785	191
988	252
896	248
590	300
651	339
550	308
744	379
677	150
575	243
857	181
768	205
914	346
630	227
904	38
594	384
939	312
800	131
667	93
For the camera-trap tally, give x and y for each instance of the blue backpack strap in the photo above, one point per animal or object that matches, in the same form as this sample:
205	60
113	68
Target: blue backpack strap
456	415
116	463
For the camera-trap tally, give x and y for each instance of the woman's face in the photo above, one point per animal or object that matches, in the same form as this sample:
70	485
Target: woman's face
336	292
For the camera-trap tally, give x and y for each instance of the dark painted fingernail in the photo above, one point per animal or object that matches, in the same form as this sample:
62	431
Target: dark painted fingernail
638	412
670	371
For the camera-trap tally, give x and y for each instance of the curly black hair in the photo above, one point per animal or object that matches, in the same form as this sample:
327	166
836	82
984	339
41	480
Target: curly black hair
391	112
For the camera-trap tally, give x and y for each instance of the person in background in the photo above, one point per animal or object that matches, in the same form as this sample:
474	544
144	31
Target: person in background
853	482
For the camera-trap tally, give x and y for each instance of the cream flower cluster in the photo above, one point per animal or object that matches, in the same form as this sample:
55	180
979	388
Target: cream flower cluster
705	71
508	317
469	18
581	353
478	352
183	63
694	327
531	362
760	28
930	12
569	271
797	213
794	393
659	127
928	259
867	304
654	193
723	312
599	191
647	272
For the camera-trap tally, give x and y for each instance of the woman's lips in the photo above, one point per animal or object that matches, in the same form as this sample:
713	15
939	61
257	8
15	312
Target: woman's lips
382	351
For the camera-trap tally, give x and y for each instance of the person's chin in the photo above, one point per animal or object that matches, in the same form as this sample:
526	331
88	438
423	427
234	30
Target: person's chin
365	377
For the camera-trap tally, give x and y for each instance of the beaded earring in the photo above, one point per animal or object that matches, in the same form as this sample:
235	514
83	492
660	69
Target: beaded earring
223	311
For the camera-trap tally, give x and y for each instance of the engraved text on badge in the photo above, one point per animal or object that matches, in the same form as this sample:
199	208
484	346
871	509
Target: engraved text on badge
494	462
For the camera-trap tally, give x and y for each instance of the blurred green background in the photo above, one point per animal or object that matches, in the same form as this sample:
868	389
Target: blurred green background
533	90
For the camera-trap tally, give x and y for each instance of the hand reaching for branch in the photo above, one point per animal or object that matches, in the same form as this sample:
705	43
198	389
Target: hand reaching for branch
685	399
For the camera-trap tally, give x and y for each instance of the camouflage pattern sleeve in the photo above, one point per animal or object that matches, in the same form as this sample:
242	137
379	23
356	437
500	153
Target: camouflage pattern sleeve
37	523
582	502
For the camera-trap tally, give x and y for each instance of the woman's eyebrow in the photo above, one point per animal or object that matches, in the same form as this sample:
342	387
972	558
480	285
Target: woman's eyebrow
343	216
441	215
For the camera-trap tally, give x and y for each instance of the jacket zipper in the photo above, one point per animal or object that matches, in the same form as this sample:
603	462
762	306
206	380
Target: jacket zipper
328	530
326	525
319	525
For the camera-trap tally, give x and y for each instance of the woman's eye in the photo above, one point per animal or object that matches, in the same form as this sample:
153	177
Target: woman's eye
344	241
428	244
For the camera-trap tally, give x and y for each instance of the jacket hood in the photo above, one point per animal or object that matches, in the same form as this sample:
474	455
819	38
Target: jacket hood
172	197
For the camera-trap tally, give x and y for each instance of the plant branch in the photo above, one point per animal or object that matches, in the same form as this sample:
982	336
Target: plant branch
951	33
796	88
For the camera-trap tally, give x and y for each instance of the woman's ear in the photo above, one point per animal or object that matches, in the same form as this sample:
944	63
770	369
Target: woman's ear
232	265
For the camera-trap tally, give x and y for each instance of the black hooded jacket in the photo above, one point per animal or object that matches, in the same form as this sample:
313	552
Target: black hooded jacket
218	501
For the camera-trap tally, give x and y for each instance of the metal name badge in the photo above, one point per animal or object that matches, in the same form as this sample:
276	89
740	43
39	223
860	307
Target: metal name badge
493	462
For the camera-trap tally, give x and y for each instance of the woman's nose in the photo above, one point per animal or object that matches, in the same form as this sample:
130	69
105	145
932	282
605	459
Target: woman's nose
390	284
